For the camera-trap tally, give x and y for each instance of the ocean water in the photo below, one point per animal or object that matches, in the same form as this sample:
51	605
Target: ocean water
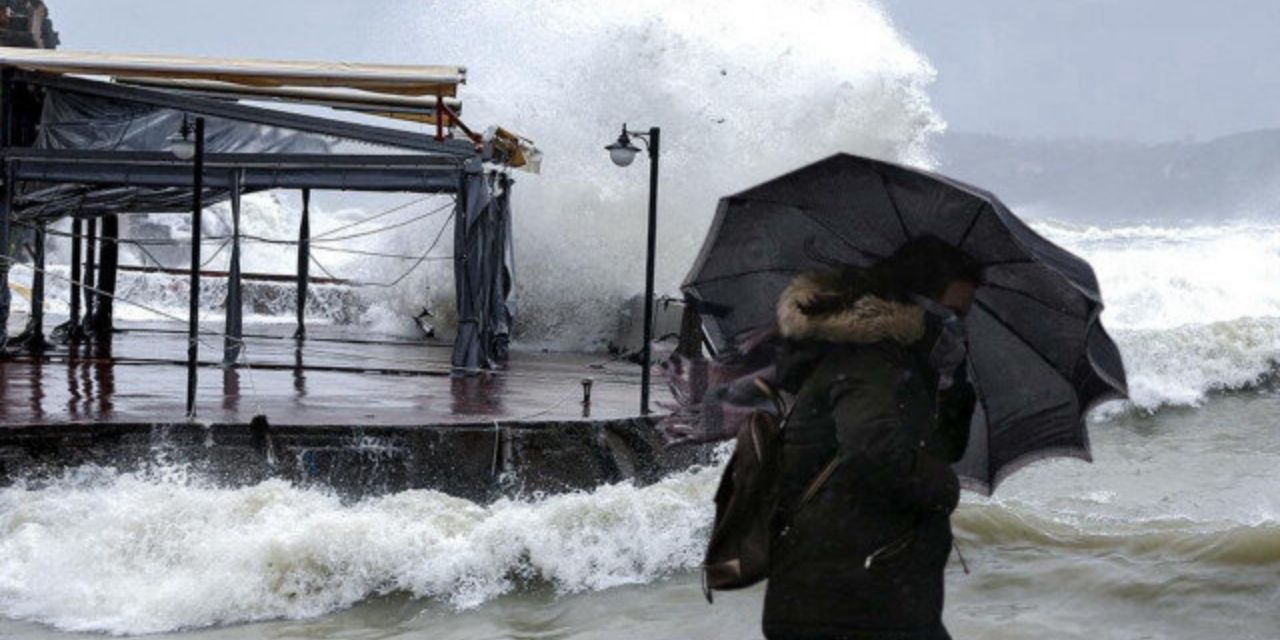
1173	532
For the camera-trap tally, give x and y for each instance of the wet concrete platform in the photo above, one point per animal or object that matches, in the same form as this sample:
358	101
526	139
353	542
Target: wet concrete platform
356	411
332	378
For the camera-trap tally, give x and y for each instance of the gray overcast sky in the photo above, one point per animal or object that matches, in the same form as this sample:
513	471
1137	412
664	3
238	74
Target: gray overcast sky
1144	69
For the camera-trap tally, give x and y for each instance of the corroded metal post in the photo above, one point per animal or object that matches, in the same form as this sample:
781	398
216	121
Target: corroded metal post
6	259
73	322
234	340
90	273
193	318
32	338
108	270
304	263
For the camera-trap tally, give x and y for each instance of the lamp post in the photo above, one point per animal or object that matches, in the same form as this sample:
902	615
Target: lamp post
623	152
185	146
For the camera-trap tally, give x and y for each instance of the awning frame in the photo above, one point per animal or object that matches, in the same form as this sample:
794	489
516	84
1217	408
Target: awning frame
412	80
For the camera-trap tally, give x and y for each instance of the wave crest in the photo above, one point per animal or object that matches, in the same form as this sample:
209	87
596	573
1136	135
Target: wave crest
1224	543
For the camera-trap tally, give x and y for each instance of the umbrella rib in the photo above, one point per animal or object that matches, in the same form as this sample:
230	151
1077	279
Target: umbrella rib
972	223
740	274
1001	263
805	212
1024	294
884	182
1000	321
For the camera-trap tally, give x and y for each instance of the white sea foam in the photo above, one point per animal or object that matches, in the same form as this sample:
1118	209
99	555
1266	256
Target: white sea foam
125	553
1193	309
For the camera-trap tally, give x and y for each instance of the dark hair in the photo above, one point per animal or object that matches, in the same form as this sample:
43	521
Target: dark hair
925	266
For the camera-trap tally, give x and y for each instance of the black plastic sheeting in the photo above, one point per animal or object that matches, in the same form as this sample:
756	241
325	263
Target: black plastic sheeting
79	122
124	164
91	123
1040	357
484	270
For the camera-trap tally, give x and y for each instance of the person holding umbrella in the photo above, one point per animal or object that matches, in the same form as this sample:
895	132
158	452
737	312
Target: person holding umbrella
882	336
875	358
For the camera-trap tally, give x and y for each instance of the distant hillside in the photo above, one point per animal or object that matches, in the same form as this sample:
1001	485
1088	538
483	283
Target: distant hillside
1094	180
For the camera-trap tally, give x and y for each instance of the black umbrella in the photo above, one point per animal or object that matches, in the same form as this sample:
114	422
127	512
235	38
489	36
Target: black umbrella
1038	353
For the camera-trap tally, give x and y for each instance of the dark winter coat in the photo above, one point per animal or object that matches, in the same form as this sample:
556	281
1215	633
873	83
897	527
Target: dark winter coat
865	395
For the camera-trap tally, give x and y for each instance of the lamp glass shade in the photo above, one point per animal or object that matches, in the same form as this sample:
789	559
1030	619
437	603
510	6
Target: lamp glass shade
622	152
182	148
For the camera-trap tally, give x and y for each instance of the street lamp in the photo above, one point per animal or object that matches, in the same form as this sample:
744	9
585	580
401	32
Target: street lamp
186	145
180	143
623	152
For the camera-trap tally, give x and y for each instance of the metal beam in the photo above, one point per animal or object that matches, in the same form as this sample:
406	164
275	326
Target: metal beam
162	173
245	160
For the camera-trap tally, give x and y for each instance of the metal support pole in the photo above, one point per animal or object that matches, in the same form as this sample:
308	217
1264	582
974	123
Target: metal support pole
90	273
304	264
193	318
646	362
233	341
108	270
74	331
5	254
440	116
32	338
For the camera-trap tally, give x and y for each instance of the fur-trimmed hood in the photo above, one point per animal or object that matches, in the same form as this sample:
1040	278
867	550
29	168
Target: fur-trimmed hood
867	319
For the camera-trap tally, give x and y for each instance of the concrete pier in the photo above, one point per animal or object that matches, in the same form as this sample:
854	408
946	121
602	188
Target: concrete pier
356	412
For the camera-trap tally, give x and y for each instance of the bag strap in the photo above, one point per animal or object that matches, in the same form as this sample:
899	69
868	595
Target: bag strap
822	476
779	400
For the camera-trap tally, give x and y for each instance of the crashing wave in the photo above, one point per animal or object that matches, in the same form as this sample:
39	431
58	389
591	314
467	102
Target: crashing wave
96	550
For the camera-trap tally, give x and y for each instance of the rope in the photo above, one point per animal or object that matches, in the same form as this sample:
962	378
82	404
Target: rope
326	271
373	217
164	314
139	242
376	254
215	254
389	227
420	259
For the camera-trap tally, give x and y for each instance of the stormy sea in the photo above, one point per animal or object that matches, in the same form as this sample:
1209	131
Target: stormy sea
1172	532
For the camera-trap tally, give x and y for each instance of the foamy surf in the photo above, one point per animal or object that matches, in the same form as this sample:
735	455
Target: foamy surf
165	550
1193	309
97	550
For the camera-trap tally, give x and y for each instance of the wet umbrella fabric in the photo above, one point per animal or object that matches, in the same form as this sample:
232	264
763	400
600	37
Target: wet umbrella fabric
1039	356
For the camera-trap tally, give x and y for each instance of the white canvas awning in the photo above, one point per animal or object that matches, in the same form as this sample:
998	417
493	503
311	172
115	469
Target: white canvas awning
408	80
419	109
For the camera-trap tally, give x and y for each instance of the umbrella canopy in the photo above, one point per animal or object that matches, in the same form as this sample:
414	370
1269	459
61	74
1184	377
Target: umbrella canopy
1039	356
